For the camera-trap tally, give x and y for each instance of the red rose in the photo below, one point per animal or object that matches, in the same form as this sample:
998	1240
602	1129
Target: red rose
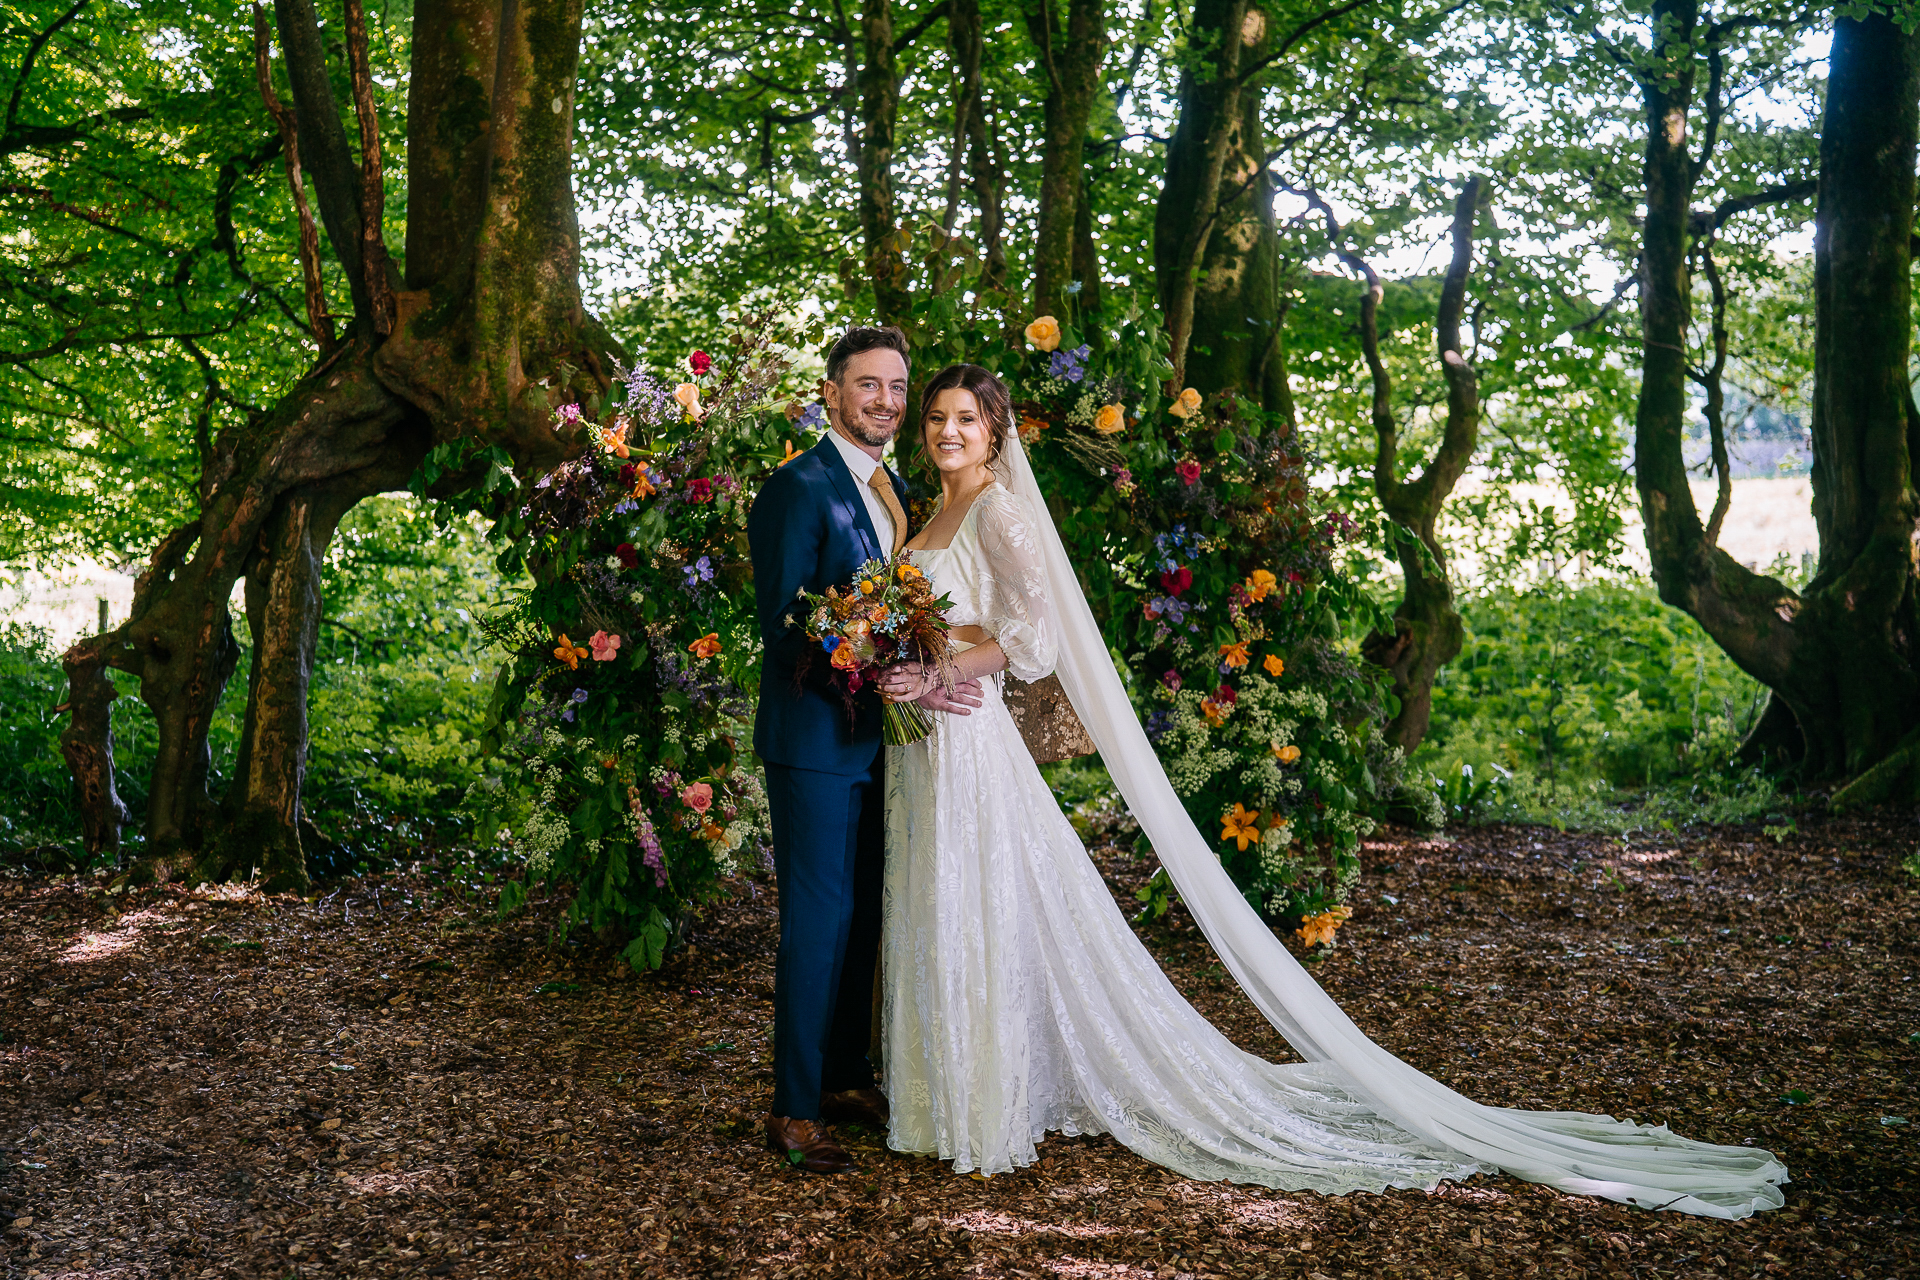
628	556
1225	695
1188	471
1177	581
700	489
627	473
699	362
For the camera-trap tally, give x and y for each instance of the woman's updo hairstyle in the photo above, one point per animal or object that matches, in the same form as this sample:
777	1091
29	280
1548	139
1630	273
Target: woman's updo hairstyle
996	405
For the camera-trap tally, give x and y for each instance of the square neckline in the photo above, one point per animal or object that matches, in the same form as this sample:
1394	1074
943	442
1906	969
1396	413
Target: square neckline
973	509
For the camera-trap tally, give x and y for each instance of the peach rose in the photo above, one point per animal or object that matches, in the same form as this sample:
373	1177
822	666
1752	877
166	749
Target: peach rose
1044	333
1110	419
698	797
689	397
1187	405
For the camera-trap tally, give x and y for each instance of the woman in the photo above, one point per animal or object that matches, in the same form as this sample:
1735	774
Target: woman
1018	1001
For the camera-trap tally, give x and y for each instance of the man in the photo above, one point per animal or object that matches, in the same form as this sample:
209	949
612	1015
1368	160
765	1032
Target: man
818	519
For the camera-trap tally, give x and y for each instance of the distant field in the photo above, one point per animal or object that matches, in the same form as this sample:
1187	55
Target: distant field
1769	516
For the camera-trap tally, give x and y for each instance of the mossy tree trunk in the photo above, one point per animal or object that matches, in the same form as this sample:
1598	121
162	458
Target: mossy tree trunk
1427	630
1069	53
1840	654
479	339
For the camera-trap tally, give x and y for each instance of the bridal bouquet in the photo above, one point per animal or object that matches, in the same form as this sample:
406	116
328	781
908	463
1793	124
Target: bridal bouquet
888	614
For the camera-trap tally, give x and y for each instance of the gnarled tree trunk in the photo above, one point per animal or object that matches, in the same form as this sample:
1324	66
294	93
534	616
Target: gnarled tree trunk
1841	654
480	341
1427	631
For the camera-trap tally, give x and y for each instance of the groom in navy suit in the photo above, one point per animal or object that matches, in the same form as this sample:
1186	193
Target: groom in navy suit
817	520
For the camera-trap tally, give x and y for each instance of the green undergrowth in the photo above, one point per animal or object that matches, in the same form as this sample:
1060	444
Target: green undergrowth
1594	707
400	683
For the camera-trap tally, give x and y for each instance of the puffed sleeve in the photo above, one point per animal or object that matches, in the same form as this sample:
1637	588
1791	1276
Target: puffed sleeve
1015	599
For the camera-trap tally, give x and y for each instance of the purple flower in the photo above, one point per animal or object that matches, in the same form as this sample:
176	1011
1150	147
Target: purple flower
699	571
1158	724
814	417
568	414
1070	365
567	715
579	695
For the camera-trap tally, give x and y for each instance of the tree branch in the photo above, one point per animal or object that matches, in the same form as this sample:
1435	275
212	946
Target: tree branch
905	41
336	181
373	188
30	137
309	248
1706	222
34	46
1299	32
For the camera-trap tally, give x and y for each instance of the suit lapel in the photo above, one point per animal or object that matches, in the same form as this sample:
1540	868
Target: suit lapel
849	490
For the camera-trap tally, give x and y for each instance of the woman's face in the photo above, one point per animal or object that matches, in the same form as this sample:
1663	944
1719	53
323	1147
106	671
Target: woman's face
958	438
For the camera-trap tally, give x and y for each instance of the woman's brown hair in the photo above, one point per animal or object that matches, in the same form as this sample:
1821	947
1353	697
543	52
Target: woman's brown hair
988	392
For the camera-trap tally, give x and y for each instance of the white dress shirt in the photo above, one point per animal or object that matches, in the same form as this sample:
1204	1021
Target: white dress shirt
863	465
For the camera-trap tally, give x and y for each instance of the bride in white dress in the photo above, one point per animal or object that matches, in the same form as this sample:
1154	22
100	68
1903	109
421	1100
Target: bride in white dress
1016	999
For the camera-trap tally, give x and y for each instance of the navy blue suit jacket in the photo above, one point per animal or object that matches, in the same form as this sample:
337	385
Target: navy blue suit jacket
809	528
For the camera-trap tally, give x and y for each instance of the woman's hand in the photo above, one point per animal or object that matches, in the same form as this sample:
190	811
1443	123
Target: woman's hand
908	681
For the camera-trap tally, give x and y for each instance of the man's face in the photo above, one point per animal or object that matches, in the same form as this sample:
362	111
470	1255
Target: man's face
870	399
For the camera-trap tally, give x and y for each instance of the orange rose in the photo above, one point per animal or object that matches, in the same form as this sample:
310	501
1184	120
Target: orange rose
1044	333
1110	419
845	658
1187	405
1274	666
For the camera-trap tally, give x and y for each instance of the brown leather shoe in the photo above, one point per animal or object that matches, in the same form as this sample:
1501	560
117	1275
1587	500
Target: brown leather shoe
818	1152
856	1106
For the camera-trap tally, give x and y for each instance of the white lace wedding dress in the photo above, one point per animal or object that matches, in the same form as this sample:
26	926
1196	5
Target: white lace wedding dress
1016	999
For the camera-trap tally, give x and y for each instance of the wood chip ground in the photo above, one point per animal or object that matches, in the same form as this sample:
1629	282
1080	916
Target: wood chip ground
385	1082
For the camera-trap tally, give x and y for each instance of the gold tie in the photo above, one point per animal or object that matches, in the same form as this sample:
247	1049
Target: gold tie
881	484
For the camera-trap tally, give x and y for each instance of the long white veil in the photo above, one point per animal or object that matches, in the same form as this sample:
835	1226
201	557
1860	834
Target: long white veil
1642	1165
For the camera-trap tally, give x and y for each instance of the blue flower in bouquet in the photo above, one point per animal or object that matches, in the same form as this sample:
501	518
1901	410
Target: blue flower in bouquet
1069	365
829	643
699	571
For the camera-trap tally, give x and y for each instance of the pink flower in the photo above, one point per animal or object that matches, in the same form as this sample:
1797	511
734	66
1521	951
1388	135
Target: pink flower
698	797
605	647
1188	471
1171	680
700	489
569	414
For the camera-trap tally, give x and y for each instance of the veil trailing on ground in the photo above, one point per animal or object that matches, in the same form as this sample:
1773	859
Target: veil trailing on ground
1636	1164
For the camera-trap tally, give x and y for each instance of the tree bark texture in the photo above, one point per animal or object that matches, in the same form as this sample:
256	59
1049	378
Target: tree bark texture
879	109
1427	630
1840	654
1069	54
487	338
1215	216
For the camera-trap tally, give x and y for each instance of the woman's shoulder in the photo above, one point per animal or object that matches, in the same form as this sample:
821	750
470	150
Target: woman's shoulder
1004	512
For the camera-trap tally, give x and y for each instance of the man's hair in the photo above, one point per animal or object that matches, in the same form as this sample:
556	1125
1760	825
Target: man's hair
988	392
861	338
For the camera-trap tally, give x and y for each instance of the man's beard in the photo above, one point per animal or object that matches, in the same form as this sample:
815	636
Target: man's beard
872	437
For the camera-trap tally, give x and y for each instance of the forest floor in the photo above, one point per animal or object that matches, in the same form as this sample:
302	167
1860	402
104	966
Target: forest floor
381	1082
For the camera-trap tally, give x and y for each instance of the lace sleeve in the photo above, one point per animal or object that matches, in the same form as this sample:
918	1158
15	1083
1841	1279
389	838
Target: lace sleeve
1014	597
